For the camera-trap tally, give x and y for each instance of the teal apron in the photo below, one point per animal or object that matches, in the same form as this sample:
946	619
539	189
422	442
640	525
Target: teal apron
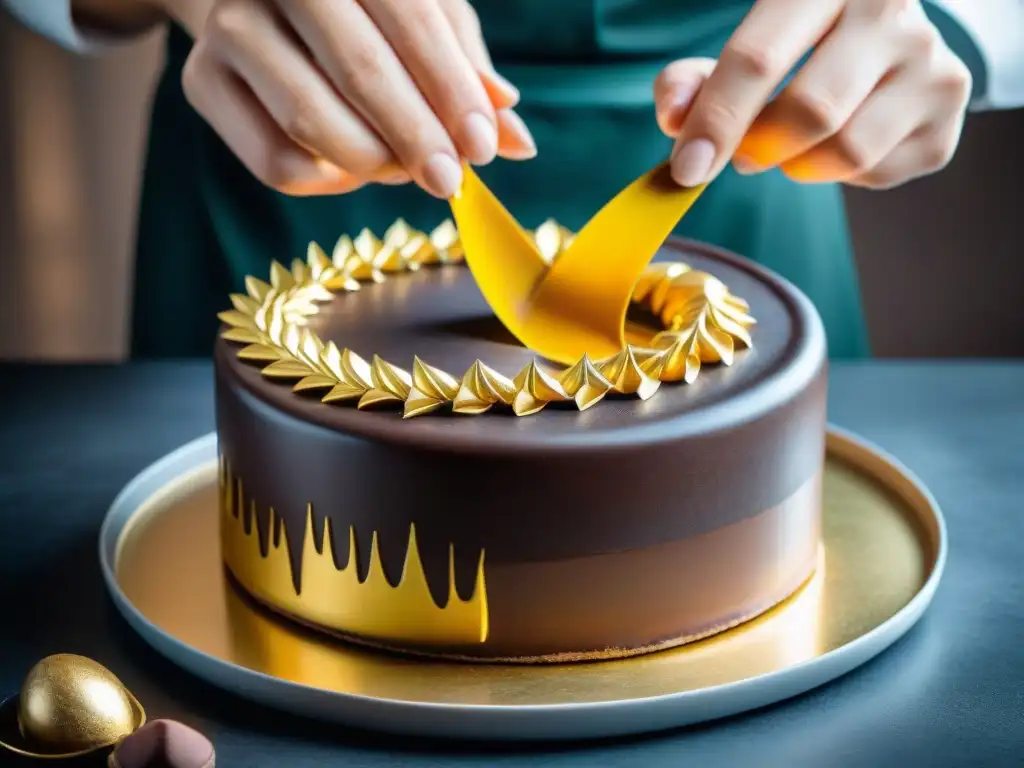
586	70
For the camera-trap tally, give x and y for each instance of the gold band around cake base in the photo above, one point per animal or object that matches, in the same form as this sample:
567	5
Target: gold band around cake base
603	606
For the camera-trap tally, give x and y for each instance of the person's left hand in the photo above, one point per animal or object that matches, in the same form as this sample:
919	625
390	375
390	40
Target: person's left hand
880	101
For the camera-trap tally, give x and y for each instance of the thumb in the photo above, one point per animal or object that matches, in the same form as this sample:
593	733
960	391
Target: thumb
675	89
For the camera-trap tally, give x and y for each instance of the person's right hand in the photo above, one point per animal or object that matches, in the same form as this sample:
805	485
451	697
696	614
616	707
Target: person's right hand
324	96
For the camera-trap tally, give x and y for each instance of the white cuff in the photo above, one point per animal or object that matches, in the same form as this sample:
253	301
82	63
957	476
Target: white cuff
53	20
996	27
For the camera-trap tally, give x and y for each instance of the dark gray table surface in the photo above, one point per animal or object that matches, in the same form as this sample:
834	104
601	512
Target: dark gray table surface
950	693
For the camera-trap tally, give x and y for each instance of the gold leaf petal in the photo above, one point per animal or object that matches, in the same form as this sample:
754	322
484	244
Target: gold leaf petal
237	319
377	397
300	272
525	404
242	335
446	242
280	278
342	282
416	251
245	304
343	251
261	353
682	357
367	246
330	360
481	388
355	370
343	392
584	383
311	347
626	375
313	382
538	383
292	340
433	382
257	289
722	320
317	260
420	403
287	369
390	378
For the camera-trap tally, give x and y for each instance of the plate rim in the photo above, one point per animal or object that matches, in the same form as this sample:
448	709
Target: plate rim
562	720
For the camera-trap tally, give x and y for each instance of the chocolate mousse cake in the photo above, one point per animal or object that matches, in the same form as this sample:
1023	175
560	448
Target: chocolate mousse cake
398	471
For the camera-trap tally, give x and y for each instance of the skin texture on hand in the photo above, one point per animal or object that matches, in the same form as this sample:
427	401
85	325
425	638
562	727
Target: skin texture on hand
324	97
880	101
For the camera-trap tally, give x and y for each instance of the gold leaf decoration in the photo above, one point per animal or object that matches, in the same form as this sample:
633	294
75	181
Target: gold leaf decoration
702	321
390	384
431	388
584	383
483	387
627	375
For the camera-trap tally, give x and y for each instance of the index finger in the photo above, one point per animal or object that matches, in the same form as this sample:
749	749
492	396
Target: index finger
761	52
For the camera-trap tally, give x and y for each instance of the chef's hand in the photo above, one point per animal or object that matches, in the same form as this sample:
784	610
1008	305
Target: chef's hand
880	101
319	97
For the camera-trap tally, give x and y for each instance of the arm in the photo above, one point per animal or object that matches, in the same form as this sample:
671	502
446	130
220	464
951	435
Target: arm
989	36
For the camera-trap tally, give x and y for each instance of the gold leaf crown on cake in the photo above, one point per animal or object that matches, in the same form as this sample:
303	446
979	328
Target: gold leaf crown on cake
702	323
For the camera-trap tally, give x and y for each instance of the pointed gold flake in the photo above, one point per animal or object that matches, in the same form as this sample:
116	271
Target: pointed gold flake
584	383
482	387
627	376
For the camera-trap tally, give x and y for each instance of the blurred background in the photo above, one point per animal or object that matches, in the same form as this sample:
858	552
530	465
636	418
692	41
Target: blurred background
941	259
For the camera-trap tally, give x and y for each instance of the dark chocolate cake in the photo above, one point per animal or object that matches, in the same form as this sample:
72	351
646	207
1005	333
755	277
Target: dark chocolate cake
398	471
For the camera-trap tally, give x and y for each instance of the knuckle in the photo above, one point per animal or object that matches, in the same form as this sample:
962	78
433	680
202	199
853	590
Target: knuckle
229	21
937	154
418	17
753	58
720	120
921	40
303	120
854	152
365	68
818	112
956	84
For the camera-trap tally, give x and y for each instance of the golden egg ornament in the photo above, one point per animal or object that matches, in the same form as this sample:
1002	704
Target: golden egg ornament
70	705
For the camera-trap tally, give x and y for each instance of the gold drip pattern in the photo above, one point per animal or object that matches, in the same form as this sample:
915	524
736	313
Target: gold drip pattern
702	323
336	598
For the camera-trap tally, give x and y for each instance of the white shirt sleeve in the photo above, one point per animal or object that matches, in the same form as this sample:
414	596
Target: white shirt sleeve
53	20
996	28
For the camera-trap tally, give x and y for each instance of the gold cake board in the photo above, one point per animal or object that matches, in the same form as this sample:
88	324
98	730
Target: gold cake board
883	555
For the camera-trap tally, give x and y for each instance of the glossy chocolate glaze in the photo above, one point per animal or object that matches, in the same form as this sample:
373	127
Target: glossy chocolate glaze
546	494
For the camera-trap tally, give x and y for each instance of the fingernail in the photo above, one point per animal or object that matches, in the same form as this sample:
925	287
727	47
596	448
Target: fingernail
508	91
512	130
691	162
744	165
481	139
442	175
674	107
